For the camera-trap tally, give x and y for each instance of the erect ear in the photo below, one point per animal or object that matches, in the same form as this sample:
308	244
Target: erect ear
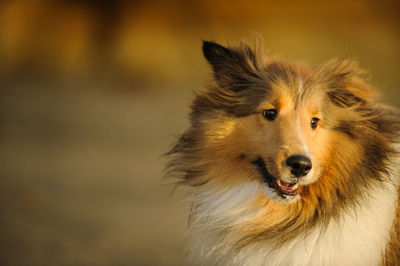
345	87
234	69
216	54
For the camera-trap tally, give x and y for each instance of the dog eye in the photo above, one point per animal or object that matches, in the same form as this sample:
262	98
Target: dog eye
270	114
314	122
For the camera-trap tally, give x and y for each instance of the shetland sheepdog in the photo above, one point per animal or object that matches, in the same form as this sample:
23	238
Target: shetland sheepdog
289	164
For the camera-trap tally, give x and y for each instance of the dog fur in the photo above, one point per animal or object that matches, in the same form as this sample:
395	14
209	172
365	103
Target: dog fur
247	206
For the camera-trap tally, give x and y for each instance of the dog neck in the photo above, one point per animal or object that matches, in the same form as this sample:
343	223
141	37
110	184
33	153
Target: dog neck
222	219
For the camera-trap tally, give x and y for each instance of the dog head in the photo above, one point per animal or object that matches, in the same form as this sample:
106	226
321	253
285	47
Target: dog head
285	125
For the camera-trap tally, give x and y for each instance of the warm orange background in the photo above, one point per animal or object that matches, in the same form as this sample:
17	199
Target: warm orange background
93	92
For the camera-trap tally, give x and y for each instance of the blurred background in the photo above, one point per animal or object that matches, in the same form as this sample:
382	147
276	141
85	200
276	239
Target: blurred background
93	92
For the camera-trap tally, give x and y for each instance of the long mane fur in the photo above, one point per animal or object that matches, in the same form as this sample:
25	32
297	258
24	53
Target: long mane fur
242	77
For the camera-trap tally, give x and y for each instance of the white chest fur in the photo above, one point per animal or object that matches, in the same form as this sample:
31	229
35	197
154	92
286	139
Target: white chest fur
358	238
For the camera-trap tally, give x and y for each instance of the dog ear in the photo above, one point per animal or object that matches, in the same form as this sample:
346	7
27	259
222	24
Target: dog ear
216	54
344	86
234	69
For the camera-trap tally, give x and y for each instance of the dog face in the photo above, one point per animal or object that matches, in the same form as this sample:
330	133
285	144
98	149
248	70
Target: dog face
289	141
282	143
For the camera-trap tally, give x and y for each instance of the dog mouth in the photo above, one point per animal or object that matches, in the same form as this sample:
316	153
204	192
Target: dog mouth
283	188
286	188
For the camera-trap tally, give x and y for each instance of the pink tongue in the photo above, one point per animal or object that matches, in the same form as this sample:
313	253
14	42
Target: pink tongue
285	185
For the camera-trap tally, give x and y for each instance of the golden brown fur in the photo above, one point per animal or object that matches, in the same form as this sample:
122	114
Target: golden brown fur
229	142
392	254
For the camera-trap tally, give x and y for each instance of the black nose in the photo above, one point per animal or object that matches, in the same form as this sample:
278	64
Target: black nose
300	165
